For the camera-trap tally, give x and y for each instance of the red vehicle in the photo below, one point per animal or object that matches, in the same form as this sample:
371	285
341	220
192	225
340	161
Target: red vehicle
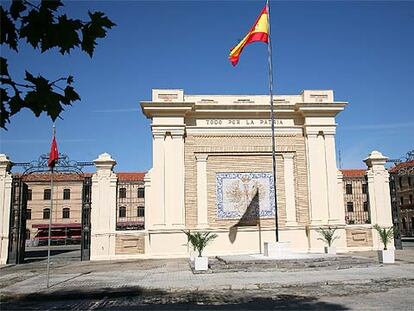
61	234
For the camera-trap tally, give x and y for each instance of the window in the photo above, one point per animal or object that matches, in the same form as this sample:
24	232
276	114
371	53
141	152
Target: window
46	194
140	211
409	181
46	213
141	192
404	224
400	181
122	210
350	207
122	193
66	194
364	188
66	213
28	214
348	188
27	234
365	206
29	194
411	199
401	200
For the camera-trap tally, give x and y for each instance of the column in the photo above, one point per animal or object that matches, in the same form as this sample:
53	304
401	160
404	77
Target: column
289	189
5	201
334	211
157	212
317	178
202	207
103	208
379	194
174	179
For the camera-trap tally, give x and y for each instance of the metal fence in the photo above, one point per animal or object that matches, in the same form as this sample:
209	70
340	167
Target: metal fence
356	201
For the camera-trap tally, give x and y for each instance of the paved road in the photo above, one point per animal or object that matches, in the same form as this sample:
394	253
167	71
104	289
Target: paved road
171	285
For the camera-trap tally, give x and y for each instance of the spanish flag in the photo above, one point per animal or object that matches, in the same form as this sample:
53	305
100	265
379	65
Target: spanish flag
259	32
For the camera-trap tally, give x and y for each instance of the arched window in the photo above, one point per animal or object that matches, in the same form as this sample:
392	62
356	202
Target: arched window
66	213
140	211
28	213
46	194
66	194
46	213
122	193
122	212
141	192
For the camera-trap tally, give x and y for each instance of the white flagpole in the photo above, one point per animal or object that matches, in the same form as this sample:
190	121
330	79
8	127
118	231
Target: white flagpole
50	219
272	114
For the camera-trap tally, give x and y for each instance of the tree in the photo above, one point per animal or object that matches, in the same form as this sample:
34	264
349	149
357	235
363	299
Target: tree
44	28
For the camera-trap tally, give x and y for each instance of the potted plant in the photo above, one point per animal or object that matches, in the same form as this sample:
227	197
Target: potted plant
386	235
199	241
328	236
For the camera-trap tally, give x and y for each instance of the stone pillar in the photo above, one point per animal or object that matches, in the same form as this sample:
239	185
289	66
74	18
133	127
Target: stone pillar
174	179
289	189
202	207
5	201
317	177
157	212
379	195
149	198
331	178
103	209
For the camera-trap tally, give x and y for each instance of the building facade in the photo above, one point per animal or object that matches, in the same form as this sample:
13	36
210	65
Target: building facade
403	174
67	206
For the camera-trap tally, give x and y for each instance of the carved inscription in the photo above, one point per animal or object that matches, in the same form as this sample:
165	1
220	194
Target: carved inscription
242	122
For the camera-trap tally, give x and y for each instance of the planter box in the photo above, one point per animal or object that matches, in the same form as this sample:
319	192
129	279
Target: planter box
201	263
386	256
330	250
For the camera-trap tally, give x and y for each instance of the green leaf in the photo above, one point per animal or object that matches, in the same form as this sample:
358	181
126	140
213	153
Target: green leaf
3	67
35	26
66	33
70	95
50	5
8	33
16	8
96	28
69	80
15	104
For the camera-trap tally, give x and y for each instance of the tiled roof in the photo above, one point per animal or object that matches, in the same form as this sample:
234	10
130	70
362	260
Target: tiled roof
401	165
59	177
131	176
353	172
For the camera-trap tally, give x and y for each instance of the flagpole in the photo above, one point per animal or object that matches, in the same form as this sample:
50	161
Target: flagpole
50	219
272	114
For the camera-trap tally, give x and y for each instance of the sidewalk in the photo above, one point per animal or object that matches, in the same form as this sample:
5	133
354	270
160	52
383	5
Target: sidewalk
175	275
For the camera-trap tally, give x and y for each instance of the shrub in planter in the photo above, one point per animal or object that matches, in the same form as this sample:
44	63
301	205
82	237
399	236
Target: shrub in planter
386	235
328	236
199	241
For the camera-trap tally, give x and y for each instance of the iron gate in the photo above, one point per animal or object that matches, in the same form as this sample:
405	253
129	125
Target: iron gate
17	229
86	219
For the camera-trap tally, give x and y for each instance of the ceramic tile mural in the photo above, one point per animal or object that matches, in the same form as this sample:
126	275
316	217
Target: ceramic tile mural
244	195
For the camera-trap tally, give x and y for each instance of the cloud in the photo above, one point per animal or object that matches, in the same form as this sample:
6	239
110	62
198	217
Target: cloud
120	110
380	126
42	141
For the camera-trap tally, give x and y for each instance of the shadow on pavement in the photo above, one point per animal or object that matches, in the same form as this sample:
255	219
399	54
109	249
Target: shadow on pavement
136	298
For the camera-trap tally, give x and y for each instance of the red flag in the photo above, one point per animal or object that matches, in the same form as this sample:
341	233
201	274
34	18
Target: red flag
54	154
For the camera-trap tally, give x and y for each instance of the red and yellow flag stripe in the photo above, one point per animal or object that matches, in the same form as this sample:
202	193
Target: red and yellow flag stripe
259	32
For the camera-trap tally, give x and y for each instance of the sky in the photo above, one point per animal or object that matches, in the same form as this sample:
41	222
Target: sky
363	50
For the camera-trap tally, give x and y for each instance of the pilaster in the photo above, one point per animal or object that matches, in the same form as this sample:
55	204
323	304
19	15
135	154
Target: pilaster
202	219
103	208
5	201
288	164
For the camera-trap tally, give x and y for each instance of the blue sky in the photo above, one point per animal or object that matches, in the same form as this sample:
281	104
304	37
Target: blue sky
362	50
